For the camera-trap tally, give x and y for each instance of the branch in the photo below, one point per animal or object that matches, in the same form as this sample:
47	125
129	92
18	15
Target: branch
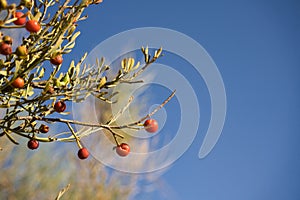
74	134
147	116
113	119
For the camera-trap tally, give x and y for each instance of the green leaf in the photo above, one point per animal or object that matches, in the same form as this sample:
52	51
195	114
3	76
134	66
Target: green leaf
56	82
102	82
70	45
120	74
41	73
123	64
71	69
77	70
136	66
65	113
101	62
29	90
17	67
66	51
111	85
73	38
66	79
33	123
30	93
4	105
61	75
37	16
105	68
4	73
158	52
71	31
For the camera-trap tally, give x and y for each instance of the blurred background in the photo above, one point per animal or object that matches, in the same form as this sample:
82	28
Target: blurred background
255	45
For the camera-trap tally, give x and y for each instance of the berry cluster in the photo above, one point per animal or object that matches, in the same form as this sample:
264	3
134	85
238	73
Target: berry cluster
25	87
150	126
32	26
122	149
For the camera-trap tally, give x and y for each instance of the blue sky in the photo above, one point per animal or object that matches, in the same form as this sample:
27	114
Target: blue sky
255	45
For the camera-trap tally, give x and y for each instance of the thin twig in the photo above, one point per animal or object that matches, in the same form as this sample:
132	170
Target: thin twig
48	119
114	134
116	116
62	191
147	116
131	82
75	136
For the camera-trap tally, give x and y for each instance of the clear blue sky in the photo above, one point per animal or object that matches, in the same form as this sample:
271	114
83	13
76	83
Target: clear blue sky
255	45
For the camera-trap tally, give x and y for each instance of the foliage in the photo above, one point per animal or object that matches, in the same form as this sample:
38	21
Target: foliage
31	175
35	90
30	97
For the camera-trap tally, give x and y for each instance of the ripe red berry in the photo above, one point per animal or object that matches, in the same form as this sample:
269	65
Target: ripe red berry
21	18
123	149
18	83
56	60
151	125
33	144
83	153
60	106
5	49
44	128
32	26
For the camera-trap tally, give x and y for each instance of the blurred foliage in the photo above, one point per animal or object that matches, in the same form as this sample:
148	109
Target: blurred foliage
40	175
27	174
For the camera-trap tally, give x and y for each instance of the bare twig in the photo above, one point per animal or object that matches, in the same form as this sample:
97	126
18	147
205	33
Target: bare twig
75	136
62	191
117	115
147	116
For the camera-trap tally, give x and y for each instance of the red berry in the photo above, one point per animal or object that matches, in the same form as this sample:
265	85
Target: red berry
18	83
21	18
60	106
151	125
5	49
123	149
83	153
32	26
44	128
56	60
33	144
